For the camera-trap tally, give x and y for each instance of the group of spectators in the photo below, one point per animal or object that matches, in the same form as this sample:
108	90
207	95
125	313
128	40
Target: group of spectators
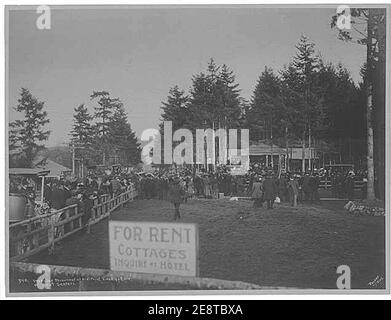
195	183
260	183
287	187
220	181
60	193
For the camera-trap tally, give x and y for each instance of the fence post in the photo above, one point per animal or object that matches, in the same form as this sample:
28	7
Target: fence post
51	235
71	226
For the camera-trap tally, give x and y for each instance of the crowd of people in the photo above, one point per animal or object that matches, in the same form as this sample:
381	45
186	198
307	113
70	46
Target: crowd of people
60	193
177	185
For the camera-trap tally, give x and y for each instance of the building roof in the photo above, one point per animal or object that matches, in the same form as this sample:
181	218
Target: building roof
56	169
261	149
28	171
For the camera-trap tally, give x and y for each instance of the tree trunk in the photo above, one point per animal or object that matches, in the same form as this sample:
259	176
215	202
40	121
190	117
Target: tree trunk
302	152
370	163
309	149
379	94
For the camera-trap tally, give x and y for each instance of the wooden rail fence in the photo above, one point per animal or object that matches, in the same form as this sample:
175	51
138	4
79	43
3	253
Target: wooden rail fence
41	232
326	184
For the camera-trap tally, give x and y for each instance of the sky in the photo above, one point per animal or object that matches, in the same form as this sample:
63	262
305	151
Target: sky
138	54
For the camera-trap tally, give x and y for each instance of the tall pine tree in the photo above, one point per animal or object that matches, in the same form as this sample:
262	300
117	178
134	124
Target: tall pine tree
103	113
29	133
82	130
83	135
175	108
214	99
122	139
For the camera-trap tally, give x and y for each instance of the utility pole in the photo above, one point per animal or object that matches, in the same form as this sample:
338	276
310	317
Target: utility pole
73	158
271	141
309	149
303	151
287	150
73	148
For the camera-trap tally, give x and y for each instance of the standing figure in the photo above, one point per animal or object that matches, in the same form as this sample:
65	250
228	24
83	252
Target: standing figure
282	188
307	188
350	185
293	189
176	195
315	187
256	193
190	187
207	187
270	190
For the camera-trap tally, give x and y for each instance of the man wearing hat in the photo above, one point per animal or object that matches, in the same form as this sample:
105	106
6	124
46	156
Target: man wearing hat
350	185
270	190
176	194
256	193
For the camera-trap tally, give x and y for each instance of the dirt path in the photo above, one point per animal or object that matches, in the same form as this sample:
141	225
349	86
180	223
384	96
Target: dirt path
290	247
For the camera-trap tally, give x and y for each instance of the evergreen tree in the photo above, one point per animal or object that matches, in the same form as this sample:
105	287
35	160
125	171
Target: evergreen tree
302	76
103	113
83	135
122	138
29	133
266	106
82	131
175	108
214	99
228	97
201	103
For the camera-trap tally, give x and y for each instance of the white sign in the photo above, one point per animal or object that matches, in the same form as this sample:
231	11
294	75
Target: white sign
297	153
154	247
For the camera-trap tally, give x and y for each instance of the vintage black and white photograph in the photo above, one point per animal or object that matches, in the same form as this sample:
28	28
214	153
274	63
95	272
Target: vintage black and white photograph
205	149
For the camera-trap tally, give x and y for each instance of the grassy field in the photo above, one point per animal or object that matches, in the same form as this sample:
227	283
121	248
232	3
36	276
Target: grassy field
291	247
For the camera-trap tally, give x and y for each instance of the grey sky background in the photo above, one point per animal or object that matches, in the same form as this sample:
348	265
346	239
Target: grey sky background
138	54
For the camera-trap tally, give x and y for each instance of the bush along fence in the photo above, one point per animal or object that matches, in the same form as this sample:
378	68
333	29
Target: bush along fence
41	232
358	208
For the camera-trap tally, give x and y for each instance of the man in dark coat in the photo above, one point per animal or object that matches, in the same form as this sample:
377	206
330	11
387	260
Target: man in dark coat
67	191
350	185
198	184
307	187
315	187
283	188
115	186
176	194
94	184
58	197
48	193
270	190
256	193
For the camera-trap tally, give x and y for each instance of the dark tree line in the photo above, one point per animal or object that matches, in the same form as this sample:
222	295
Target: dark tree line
368	27
106	136
309	101
99	138
214	101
